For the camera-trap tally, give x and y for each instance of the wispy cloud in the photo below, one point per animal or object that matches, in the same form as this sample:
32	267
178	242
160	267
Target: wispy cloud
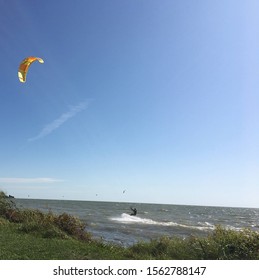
29	180
49	128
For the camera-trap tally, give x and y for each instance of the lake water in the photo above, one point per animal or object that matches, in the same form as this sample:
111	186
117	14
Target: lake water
111	220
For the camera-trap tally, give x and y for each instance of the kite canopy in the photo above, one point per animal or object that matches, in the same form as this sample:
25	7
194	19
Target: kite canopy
24	66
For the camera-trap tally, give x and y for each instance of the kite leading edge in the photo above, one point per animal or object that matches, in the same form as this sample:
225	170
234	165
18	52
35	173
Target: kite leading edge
24	66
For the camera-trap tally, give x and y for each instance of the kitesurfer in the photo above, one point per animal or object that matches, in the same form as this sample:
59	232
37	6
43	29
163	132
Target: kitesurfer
134	211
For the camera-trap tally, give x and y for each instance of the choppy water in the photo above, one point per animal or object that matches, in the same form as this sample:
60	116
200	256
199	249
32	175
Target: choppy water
111	221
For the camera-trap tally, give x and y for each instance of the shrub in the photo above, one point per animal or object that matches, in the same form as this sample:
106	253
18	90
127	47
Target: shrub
72	225
6	204
44	224
236	244
221	244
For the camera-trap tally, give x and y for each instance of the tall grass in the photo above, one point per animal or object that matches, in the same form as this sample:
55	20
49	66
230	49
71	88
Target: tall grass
47	225
221	244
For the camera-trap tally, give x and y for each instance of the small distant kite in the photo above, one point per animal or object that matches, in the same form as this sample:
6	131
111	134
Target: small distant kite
24	66
124	191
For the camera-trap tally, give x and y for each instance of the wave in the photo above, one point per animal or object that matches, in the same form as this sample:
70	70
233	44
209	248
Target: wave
128	219
163	210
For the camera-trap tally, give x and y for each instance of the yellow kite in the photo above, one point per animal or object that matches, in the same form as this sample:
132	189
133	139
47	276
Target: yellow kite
24	66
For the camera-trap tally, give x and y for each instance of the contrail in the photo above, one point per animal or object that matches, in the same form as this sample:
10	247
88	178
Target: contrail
49	128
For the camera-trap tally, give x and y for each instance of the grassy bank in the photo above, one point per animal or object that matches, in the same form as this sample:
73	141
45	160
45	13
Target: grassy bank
31	234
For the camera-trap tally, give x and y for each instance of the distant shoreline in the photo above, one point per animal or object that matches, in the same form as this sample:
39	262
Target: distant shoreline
134	202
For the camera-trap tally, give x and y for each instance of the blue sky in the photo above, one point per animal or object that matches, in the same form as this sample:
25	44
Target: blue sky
158	98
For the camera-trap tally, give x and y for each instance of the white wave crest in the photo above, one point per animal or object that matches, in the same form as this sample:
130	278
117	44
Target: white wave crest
128	219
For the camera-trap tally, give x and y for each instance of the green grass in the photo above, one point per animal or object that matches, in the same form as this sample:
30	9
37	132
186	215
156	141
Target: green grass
31	234
16	246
